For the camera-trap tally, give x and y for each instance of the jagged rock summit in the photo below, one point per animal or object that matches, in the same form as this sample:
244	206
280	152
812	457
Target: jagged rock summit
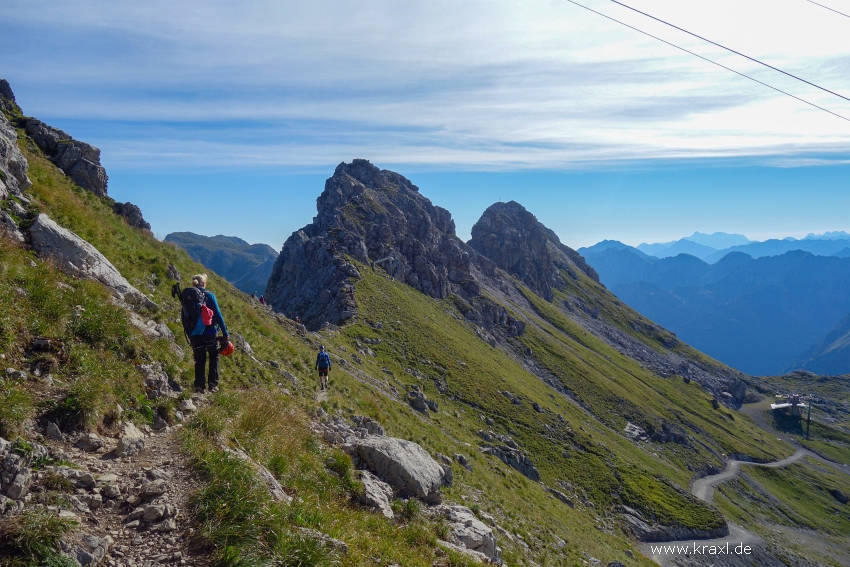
375	216
519	244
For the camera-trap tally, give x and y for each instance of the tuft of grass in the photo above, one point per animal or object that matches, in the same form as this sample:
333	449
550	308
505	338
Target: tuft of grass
407	510
16	407
34	536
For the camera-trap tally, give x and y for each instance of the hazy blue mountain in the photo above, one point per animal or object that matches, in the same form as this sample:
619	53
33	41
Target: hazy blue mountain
609	245
655	249
686	246
834	235
699	244
718	240
844	253
775	247
247	266
758	315
830	355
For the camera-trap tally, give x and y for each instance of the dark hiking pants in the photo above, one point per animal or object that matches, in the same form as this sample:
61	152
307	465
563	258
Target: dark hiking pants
201	347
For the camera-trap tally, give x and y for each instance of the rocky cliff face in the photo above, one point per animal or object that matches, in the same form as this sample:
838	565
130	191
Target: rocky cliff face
518	243
80	161
13	166
376	217
132	214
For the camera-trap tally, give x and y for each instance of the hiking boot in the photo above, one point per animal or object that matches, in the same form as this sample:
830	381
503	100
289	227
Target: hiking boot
214	390
199	390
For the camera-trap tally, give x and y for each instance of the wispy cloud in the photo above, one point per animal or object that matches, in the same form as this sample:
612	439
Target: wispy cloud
477	84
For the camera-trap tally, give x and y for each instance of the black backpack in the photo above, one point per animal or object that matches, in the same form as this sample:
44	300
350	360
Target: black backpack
192	299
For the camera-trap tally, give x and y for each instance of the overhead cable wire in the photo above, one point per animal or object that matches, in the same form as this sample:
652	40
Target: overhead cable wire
708	60
828	8
732	50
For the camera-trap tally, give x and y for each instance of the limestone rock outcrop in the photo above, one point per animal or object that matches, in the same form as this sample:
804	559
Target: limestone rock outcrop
9	229
468	531
377	494
13	165
402	464
132	214
509	453
377	217
7	97
647	530
78	258
78	160
518	243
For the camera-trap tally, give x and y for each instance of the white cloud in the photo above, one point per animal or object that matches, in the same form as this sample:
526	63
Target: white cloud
476	84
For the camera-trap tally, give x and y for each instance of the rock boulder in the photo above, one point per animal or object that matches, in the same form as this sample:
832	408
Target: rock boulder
75	256
468	531
404	465
376	494
8	228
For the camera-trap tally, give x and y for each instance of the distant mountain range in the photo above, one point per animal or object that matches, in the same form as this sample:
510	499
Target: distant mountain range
713	247
830	355
247	266
763	315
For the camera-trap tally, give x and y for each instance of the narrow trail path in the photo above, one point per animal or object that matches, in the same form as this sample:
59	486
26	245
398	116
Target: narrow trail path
703	489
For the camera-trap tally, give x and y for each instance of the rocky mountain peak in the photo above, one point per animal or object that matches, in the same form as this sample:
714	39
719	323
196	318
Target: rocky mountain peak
377	217
6	90
517	242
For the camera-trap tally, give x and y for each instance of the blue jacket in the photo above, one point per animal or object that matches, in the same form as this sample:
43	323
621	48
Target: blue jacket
218	320
319	361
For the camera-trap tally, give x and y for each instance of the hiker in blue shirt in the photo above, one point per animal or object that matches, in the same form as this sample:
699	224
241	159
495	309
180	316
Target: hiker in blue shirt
323	365
203	338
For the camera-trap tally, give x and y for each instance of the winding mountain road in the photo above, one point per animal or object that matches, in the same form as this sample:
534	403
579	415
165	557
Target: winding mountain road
703	489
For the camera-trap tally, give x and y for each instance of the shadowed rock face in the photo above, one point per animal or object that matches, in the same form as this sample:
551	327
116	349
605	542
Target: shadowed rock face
13	166
7	97
518	243
132	214
374	216
80	161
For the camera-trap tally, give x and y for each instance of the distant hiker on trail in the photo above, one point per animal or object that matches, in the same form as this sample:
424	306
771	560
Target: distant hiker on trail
254	295
202	335
351	291
323	365
262	300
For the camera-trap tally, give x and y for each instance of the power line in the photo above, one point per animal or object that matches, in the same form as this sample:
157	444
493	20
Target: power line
708	60
828	8
732	50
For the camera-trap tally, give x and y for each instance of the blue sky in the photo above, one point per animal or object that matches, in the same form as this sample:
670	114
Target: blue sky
601	132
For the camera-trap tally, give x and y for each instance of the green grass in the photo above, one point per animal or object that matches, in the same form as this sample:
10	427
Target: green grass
581	445
33	537
244	525
796	496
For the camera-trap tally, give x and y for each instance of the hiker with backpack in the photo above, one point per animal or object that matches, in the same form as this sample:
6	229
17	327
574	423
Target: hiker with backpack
323	365
202	319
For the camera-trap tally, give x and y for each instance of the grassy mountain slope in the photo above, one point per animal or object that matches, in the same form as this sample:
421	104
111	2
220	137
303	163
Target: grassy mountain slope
794	509
575	441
